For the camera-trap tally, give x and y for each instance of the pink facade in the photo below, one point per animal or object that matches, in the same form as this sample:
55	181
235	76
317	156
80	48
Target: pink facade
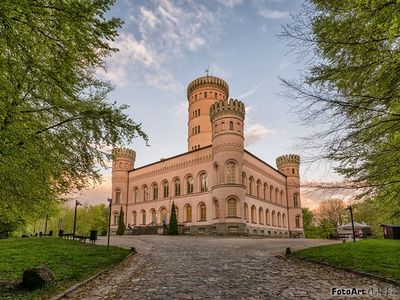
218	187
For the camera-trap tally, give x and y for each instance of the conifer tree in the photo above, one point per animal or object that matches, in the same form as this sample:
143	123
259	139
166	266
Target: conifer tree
173	222
121	223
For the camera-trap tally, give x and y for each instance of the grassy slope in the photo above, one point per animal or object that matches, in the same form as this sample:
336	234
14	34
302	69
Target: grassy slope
381	257
71	261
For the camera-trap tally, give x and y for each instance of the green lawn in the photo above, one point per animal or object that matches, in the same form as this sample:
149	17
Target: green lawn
380	257
71	262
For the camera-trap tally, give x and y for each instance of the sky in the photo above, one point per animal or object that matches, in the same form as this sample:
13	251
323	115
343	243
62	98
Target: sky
165	44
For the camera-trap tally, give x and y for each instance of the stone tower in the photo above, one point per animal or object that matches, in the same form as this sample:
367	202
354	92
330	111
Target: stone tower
123	162
227	119
289	165
202	93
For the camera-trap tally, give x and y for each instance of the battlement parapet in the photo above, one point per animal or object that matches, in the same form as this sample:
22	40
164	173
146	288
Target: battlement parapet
208	80
227	107
124	153
287	159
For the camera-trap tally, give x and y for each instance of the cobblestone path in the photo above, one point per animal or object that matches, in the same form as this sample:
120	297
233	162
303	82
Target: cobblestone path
217	268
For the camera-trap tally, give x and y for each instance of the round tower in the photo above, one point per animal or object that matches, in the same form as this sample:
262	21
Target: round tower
202	93
290	166
123	162
227	120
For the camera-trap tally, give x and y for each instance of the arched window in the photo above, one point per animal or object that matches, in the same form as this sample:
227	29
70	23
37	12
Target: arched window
153	215
203	182
267	217
273	218
177	187
177	213
276	195
135	195
265	191
222	126
282	198
189	185
251	185
253	214
260	216
284	220
297	221
258	189
230	125
143	213
271	193
232	207
278	216
216	174
244	179
202	212
205	94
117	196
230	172
188	213
115	219
163	215
246	212
165	189
296	200
155	191
134	215
145	193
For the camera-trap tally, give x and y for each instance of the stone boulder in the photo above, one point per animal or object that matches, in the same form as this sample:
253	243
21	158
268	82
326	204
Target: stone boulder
37	277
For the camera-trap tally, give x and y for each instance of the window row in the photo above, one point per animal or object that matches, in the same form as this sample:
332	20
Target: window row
145	193
206	94
196	113
196	130
195	147
269	218
224	126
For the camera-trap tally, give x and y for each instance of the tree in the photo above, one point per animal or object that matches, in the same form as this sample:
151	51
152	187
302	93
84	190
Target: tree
173	222
55	119
351	89
121	223
332	210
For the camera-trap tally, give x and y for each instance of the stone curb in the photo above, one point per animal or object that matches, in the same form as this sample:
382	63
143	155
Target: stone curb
373	276
79	284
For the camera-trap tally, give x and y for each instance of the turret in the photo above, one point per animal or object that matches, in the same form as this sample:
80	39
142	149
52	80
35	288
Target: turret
227	119
123	162
202	93
290	165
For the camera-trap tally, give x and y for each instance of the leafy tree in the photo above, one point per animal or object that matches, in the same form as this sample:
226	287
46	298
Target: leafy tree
54	115
333	210
310	229
121	223
173	222
351	89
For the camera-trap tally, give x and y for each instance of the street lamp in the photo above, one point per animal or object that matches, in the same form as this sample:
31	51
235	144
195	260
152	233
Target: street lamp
109	223
76	206
352	222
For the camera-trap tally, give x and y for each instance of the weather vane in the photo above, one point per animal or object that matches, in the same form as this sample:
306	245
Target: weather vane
207	70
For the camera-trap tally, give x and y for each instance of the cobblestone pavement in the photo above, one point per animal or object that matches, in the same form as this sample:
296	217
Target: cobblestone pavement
222	268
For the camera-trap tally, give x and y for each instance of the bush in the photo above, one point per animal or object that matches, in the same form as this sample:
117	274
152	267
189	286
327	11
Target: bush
121	223
173	222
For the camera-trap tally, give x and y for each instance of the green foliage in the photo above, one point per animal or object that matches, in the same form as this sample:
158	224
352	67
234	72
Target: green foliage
311	231
351	90
71	262
55	118
121	223
379	257
173	222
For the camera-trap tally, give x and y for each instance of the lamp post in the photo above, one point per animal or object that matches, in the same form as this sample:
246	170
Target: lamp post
352	222
109	223
45	225
76	206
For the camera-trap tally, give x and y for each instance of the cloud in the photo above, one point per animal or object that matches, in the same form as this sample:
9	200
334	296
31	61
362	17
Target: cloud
253	131
230	3
273	14
250	91
179	112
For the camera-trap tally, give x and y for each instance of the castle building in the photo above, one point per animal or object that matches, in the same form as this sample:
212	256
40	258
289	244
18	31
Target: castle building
218	187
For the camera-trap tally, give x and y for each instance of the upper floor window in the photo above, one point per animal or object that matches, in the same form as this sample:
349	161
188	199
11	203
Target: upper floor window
230	125
205	94
296	200
297	221
145	193
230	172
177	187
165	189
251	185
189	185
118	196
155	191
136	195
203	182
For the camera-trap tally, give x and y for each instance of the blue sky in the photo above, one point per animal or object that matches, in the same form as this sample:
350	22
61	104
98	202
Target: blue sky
166	44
